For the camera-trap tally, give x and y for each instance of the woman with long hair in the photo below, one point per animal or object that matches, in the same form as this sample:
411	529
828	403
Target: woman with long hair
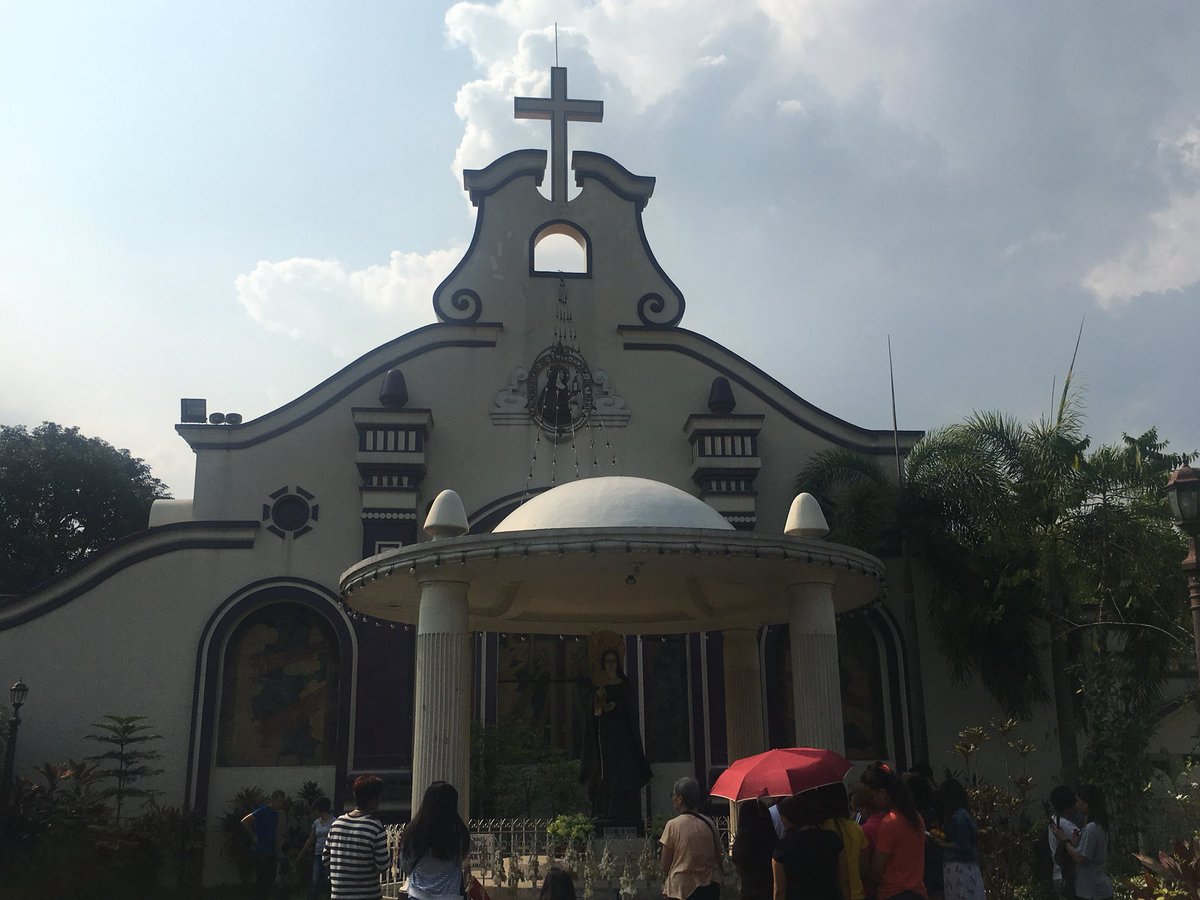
897	868
434	844
960	849
834	809
1091	853
752	848
557	885
920	781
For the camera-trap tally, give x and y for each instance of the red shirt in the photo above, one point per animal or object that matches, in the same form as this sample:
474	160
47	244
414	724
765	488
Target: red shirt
905	847
870	827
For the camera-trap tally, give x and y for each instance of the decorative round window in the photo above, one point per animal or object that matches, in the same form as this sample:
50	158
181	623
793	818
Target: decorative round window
290	512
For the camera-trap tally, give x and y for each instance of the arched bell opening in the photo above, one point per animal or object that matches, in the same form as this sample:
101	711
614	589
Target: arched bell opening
560	248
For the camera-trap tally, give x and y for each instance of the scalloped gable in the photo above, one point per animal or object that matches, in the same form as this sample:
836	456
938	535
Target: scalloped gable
496	280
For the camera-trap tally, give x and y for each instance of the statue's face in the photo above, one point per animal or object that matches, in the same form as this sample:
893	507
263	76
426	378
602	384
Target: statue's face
610	664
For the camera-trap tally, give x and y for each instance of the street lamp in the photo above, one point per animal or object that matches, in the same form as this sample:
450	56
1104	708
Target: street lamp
1183	493
16	694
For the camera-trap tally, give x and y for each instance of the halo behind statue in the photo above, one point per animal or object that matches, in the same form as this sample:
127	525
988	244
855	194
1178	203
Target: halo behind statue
599	643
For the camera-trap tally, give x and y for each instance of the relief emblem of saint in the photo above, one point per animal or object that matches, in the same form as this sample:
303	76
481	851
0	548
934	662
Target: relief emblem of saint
560	390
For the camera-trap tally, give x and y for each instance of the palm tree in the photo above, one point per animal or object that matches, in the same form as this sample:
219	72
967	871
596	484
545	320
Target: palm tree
1017	528
869	508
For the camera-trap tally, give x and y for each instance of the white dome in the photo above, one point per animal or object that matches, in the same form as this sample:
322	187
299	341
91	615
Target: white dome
614	502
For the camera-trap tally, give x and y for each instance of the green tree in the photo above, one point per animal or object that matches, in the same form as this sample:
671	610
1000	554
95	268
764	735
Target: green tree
902	515
63	496
127	760
1019	527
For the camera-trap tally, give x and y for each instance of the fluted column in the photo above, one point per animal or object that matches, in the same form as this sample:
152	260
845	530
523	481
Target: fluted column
442	708
743	693
816	680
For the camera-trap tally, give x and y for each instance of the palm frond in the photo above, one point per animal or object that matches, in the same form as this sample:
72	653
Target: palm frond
835	468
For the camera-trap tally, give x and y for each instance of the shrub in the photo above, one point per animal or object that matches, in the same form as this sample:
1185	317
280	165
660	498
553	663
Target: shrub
572	829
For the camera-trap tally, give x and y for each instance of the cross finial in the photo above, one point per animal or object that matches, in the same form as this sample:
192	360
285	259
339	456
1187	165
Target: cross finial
559	110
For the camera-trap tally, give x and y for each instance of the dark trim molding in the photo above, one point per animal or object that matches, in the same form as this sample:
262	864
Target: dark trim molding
122	554
479	183
437	292
209	662
884	624
674	319
588	164
907	438
198	443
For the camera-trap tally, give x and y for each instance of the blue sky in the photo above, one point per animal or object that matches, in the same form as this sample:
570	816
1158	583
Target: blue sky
233	201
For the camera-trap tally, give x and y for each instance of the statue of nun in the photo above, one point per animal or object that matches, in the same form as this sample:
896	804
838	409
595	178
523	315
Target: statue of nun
613	765
554	405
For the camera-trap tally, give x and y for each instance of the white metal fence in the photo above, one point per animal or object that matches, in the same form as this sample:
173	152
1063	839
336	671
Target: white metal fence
516	853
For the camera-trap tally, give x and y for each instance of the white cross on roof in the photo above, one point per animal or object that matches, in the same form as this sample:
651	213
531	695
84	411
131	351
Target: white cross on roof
559	110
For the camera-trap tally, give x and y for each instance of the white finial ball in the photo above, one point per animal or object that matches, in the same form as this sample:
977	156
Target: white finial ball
805	518
446	518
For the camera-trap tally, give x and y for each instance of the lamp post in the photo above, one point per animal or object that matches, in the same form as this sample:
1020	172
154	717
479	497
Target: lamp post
1183	493
16	694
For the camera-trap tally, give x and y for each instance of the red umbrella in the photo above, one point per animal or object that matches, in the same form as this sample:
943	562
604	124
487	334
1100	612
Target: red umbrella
781	773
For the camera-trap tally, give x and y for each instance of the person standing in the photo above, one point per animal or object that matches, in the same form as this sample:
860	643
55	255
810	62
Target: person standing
960	850
753	846
263	827
691	850
834	809
356	849
317	834
434	845
805	863
925	793
868	813
897	868
1064	821
1091	854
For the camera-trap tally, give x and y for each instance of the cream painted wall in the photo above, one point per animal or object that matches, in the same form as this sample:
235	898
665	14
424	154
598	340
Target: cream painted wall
127	647
950	707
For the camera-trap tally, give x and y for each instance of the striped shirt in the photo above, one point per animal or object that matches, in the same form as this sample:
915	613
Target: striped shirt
431	877
355	854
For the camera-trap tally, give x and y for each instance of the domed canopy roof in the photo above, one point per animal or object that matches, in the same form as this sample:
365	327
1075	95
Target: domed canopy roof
614	502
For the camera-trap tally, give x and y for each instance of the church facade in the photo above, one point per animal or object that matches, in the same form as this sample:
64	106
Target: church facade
558	355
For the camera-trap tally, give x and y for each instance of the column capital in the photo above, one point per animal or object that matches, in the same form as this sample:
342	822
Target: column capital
813	577
434	576
443	607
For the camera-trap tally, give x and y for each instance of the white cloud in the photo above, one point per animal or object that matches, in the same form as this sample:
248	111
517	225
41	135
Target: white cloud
318	300
1165	260
1162	258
